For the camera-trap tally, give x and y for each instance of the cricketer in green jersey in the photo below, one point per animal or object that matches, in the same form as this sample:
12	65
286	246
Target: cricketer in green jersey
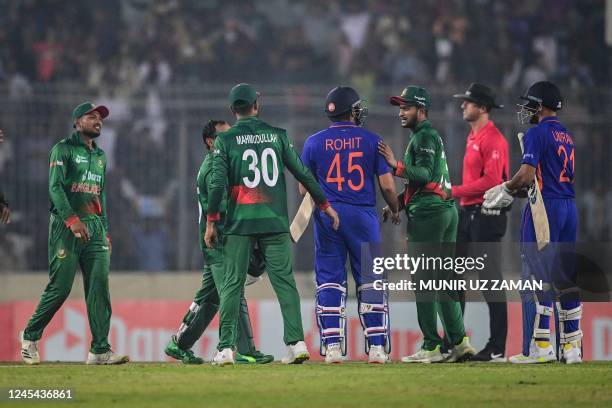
248	162
78	235
432	218
206	301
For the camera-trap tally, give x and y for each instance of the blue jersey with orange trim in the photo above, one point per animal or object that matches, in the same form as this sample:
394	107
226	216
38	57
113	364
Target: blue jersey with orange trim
344	159
549	148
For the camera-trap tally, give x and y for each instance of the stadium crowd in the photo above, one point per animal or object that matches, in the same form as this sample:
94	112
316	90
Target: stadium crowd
370	41
138	49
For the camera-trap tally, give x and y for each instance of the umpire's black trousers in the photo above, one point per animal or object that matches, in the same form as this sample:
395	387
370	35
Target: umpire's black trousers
477	227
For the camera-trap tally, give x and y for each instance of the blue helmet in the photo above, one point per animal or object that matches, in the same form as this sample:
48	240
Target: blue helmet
344	99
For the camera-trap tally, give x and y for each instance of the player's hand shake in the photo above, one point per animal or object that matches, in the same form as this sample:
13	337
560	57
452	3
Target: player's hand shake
210	236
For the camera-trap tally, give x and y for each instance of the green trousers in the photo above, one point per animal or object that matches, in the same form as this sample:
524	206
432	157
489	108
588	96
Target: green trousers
276	250
434	236
204	308
65	254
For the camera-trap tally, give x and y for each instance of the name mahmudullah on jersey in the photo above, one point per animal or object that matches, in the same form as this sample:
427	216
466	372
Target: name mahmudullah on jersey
255	139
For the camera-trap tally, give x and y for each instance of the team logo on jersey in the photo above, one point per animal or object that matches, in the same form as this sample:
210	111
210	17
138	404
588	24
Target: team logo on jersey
80	159
61	254
331	107
100	163
495	155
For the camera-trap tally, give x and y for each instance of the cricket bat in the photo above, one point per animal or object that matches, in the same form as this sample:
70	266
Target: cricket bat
538	211
302	217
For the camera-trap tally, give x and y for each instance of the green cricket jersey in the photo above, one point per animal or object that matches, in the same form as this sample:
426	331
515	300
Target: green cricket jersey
249	161
426	170
203	183
76	180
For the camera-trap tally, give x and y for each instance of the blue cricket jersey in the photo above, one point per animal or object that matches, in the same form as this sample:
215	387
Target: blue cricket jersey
550	149
344	159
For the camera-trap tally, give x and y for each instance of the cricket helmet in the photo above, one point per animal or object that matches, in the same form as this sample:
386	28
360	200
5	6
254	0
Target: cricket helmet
343	99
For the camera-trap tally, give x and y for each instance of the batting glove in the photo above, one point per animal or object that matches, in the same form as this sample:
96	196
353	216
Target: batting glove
497	197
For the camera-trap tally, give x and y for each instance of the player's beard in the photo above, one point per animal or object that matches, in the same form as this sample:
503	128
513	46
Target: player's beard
92	132
409	123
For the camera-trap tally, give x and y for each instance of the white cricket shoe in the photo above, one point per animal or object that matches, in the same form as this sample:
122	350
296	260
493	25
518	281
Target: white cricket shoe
461	351
296	353
29	351
377	355
571	353
333	354
224	357
108	358
425	356
537	355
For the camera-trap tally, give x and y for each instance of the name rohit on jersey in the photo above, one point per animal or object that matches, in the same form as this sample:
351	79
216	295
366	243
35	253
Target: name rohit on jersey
343	144
256	139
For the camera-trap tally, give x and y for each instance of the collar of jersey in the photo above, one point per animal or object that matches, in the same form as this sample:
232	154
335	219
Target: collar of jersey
550	119
483	129
77	139
248	118
424	124
343	124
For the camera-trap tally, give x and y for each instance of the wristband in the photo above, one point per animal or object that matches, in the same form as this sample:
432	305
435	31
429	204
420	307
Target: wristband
324	205
213	217
400	168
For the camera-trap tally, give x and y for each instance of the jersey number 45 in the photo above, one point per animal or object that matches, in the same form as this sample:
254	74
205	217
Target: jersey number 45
334	174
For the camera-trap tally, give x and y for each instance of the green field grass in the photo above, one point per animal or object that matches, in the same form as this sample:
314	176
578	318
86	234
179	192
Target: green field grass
317	385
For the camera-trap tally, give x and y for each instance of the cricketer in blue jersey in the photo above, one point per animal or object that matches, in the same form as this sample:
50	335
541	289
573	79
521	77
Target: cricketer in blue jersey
345	161
548	154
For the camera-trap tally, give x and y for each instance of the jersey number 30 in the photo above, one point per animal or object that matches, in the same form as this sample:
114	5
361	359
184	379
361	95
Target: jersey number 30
251	155
337	178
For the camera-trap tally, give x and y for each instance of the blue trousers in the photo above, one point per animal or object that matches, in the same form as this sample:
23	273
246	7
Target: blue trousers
552	265
358	238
